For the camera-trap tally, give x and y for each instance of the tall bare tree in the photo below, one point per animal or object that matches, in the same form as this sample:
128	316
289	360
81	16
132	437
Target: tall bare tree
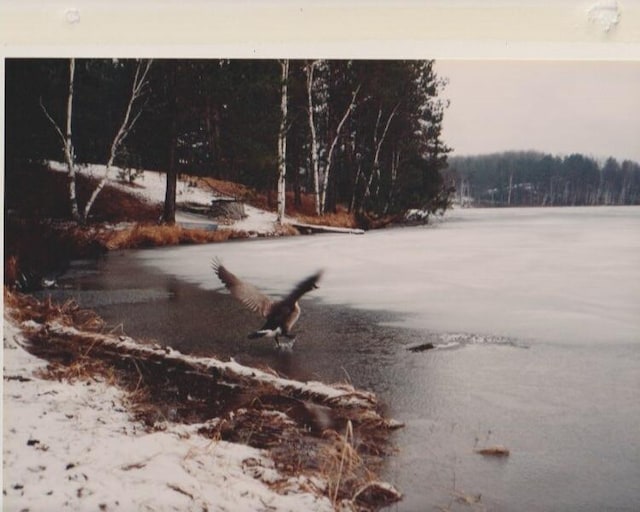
128	122
67	142
315	157
282	142
321	173
130	117
173	97
378	140
332	147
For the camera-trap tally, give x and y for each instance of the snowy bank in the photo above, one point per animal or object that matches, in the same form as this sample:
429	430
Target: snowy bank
108	423
74	446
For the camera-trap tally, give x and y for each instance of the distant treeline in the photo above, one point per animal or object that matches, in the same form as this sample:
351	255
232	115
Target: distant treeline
538	179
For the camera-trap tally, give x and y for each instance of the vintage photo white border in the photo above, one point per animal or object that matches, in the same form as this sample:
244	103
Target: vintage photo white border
440	29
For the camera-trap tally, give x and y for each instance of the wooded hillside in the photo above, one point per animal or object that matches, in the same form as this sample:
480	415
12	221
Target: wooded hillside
362	134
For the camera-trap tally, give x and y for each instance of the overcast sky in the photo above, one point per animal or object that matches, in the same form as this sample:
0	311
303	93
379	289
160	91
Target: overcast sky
555	107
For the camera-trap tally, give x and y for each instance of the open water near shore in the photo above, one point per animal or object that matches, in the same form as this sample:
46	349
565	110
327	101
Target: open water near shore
534	313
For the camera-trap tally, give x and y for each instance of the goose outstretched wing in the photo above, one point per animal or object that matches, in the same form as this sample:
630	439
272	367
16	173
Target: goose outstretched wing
302	287
246	293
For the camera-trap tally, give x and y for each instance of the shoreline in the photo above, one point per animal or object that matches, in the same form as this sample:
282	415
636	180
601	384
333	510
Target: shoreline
187	462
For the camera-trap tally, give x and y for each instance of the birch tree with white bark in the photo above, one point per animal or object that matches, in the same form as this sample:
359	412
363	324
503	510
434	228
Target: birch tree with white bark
282	142
67	142
378	141
318	113
131	115
314	155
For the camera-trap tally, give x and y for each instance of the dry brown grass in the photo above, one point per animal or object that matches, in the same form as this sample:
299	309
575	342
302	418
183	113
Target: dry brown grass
226	188
343	468
285	230
82	369
25	307
340	219
79	367
153	235
341	465
304	211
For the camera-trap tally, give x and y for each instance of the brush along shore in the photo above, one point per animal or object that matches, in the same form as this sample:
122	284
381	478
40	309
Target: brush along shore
204	433
40	239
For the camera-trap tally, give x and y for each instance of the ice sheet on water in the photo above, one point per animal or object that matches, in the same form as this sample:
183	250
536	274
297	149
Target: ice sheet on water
551	274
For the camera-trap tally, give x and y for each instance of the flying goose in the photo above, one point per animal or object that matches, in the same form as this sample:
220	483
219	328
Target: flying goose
280	315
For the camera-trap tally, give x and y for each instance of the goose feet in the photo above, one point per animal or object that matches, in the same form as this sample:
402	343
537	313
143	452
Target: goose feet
287	344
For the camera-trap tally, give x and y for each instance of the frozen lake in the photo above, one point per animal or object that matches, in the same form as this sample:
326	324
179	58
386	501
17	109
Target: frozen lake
536	313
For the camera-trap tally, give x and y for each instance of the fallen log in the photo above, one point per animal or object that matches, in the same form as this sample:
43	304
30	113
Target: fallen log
494	451
229	373
318	228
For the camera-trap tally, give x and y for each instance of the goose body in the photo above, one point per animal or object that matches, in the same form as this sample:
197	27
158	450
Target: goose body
280	315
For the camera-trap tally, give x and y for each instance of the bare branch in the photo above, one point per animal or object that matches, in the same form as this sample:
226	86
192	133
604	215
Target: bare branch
139	82
323	198
375	171
55	125
386	128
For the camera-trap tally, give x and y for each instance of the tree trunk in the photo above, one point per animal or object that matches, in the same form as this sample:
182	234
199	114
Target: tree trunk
352	204
395	164
213	135
315	161
67	142
169	215
375	171
325	180
282	144
68	146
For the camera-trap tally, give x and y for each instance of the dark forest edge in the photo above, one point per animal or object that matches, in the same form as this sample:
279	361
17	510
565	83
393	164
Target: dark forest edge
362	134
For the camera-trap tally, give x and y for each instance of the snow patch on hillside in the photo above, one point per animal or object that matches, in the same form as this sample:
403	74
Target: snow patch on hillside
150	186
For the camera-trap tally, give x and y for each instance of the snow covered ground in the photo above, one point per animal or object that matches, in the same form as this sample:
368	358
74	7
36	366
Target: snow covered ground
150	186
74	446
